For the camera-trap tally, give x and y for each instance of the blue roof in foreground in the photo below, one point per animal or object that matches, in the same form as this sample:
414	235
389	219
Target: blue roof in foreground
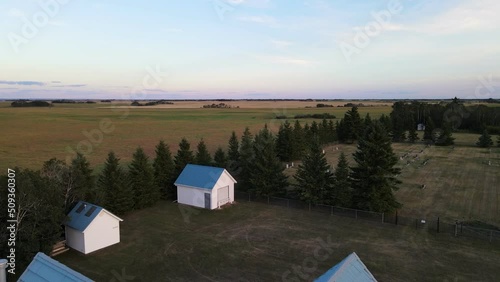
350	269
82	215
199	176
43	268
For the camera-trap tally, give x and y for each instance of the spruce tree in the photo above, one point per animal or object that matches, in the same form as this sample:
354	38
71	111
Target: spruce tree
118	194
141	175
445	137
353	124
412	135
429	130
266	172
220	159
84	181
233	153
284	142
298	141
313	176
485	140
373	178
184	156
247	156
341	194
164	167
202	155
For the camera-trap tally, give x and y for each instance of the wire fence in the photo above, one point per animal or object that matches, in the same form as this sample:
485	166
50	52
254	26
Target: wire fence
434	225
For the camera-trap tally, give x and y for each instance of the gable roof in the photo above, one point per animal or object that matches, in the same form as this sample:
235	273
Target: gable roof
349	269
200	176
82	215
43	268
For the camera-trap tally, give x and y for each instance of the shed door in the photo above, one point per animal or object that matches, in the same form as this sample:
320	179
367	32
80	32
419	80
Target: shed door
207	201
223	195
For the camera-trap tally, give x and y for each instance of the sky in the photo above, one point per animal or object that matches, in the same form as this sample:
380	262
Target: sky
249	49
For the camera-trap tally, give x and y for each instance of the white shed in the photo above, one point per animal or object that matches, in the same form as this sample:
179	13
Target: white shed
205	187
90	228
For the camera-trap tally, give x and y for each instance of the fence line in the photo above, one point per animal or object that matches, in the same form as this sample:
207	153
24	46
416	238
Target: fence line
433	225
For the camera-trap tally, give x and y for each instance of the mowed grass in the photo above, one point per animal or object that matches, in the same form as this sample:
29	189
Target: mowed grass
256	242
34	135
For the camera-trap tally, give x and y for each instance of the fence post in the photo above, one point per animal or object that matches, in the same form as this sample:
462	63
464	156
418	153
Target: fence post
356	213
396	217
249	197
438	225
456	228
461	227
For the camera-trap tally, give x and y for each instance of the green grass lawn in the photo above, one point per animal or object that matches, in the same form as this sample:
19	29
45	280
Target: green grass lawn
256	242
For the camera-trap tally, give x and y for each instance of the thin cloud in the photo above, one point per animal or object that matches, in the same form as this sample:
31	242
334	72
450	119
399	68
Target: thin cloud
285	60
264	20
26	83
71	85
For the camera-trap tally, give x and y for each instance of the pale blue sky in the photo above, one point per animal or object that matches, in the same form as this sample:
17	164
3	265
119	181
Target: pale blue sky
250	49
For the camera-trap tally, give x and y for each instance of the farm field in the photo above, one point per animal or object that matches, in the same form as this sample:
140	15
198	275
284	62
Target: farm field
256	242
34	135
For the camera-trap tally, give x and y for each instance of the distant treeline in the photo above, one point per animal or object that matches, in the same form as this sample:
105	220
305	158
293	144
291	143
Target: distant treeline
219	106
64	101
457	116
23	103
152	103
314	116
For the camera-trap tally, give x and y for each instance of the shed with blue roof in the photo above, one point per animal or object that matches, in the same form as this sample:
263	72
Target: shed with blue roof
90	228
205	187
44	268
350	269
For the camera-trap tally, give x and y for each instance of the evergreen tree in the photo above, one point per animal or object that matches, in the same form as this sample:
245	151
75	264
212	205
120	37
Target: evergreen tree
298	141
498	141
118	194
284	142
313	131
266	172
341	194
164	169
429	130
412	135
202	155
184	157
386	122
141	175
331	132
485	140
353	123
367	122
220	159
373	177
314	178
233	152
323	132
84	181
445	137
247	156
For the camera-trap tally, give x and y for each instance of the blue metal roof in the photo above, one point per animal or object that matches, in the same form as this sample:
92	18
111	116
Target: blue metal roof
43	268
82	215
199	176
350	269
